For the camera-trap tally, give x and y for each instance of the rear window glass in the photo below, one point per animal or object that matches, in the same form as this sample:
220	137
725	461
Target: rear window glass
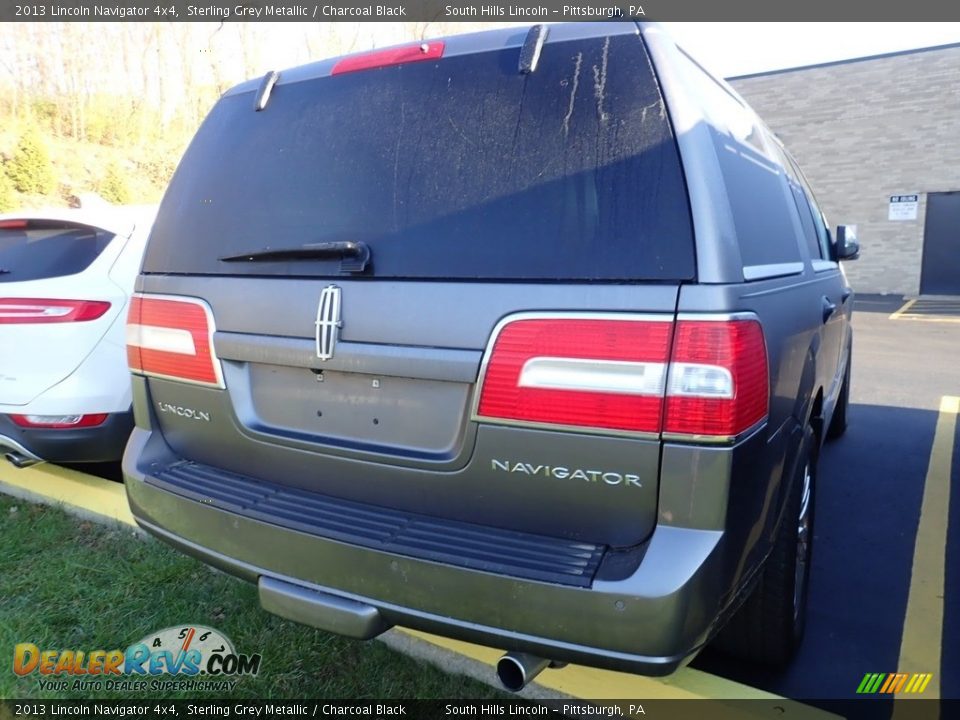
42	249
462	168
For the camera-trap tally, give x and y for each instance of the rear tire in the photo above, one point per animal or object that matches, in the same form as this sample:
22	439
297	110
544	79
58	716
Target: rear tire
769	626
838	423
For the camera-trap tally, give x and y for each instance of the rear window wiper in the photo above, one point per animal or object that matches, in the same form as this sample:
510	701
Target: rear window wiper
354	256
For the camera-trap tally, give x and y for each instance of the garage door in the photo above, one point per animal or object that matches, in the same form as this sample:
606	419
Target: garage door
940	274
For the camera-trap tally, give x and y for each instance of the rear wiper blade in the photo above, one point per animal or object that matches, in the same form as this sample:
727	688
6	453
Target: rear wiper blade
354	256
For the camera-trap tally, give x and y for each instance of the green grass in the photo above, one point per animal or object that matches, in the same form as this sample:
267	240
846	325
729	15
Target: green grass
71	584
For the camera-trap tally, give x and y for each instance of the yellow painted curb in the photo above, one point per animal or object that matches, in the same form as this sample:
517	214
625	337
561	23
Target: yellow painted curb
54	485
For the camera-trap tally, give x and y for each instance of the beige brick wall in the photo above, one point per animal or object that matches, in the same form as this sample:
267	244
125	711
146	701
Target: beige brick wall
863	131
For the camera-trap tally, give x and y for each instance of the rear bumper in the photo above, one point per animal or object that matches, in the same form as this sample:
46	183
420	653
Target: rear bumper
103	443
650	622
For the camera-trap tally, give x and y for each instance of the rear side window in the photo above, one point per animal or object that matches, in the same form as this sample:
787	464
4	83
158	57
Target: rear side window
763	212
463	168
42	249
819	222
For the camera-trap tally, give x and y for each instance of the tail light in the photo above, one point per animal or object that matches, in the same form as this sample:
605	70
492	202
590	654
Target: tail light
703	378
172	337
581	371
59	422
31	311
718	383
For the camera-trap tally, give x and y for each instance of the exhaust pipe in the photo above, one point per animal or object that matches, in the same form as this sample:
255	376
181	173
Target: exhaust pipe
516	669
19	460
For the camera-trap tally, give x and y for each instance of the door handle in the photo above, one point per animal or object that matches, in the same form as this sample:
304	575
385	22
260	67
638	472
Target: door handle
847	292
828	307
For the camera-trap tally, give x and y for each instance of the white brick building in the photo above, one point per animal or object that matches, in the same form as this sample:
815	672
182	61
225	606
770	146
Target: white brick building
867	129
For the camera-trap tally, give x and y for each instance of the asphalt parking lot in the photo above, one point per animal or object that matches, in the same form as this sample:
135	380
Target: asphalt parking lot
885	587
863	617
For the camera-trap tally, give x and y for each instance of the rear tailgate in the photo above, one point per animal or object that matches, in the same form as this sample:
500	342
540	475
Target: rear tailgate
482	192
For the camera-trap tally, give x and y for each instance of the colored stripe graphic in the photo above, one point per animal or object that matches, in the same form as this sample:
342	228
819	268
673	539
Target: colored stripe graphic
898	685
893	683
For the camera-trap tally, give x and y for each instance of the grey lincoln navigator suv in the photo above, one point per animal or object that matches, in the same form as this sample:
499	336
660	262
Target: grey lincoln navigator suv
528	337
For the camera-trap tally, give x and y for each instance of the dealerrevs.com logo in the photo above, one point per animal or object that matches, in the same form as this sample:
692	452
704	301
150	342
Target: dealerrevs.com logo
186	657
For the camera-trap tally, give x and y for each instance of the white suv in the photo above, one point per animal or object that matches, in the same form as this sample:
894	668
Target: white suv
66	277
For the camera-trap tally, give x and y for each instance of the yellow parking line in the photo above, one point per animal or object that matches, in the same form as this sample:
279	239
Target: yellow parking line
928	318
94	496
54	485
902	310
923	624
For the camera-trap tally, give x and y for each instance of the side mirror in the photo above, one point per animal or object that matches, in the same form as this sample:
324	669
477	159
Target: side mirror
847	247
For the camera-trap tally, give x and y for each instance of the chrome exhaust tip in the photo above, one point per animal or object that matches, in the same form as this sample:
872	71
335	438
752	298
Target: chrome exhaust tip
516	669
19	460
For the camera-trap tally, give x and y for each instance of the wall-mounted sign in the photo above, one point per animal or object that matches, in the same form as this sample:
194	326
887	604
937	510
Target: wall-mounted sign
903	207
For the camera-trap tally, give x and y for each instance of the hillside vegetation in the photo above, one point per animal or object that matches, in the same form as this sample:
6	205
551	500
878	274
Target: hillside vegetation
108	108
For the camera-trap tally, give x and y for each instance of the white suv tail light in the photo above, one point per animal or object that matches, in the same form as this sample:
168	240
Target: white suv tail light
32	311
59	422
172	337
702	377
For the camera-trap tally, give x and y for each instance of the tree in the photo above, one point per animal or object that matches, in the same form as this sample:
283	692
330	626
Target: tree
8	200
114	187
30	168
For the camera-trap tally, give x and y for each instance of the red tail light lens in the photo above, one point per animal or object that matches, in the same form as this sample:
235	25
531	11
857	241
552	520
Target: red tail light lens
642	374
31	311
59	422
718	382
578	371
172	338
390	56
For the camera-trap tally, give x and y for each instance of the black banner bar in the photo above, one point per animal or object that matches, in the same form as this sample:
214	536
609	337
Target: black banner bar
510	709
534	11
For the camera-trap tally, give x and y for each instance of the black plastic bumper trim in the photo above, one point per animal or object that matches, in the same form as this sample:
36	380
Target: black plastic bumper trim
504	552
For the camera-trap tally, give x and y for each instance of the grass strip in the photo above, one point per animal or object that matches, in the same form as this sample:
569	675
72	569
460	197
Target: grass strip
70	584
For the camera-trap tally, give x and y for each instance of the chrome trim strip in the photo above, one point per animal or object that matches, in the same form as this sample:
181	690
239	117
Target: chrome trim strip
820	265
620	377
715	439
717	317
772	270
414	361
